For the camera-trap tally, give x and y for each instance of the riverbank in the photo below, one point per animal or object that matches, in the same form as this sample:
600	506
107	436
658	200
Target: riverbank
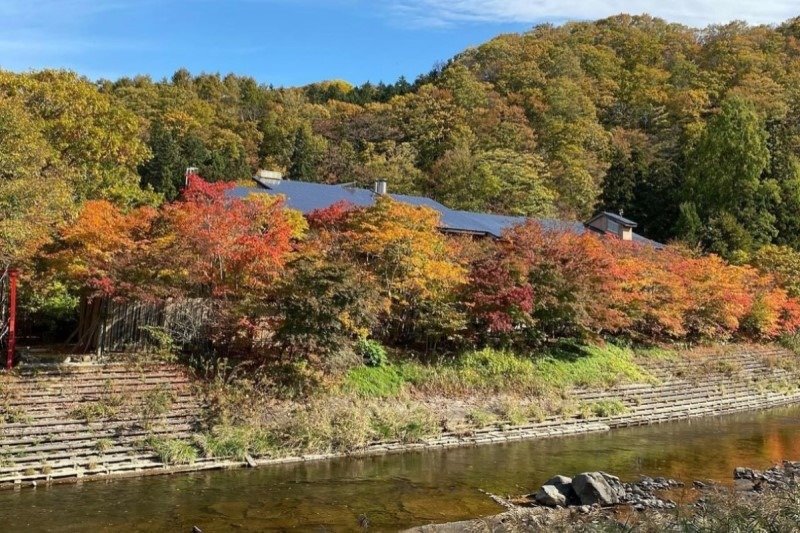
109	441
761	500
398	491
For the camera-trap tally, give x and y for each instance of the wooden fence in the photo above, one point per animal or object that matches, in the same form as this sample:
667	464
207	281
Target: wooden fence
105	325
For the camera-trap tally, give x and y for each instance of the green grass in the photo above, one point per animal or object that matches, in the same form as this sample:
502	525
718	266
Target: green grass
592	367
172	451
94	411
496	371
602	408
658	354
375	381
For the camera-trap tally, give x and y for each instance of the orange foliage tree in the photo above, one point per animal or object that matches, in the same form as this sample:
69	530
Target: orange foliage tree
401	248
215	245
545	284
96	253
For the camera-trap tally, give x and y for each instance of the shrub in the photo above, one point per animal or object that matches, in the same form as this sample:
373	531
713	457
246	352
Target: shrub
324	306
602	408
372	352
404	422
155	403
783	263
172	451
162	342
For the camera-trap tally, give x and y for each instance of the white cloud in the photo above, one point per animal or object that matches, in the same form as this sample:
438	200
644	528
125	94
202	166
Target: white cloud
692	12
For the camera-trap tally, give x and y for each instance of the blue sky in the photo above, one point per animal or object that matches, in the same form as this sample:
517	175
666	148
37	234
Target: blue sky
293	42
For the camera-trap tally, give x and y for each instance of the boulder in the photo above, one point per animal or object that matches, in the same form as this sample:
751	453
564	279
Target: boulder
558	481
550	495
597	488
564	486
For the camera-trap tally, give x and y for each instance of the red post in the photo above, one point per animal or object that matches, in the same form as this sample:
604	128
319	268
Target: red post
12	317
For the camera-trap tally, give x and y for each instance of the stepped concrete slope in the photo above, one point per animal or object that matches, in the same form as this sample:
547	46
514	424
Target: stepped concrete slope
716	382
77	421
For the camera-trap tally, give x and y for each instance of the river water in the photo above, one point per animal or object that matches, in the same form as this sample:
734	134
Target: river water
400	490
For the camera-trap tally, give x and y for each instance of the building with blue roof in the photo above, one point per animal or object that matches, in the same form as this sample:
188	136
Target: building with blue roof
308	197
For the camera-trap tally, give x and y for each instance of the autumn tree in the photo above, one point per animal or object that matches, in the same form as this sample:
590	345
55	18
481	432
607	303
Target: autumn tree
212	244
402	247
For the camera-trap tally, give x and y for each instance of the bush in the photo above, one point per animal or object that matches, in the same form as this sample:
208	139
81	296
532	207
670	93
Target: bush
234	442
404	422
161	341
172	451
372	352
324	306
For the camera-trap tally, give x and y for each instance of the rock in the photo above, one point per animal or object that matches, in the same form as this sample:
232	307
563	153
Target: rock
698	484
564	486
550	496
615	484
558	480
742	473
594	488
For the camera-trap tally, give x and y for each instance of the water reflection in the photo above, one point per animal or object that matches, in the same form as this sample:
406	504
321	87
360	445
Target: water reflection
397	491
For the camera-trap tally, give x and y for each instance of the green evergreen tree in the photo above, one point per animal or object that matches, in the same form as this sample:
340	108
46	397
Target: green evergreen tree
725	179
302	165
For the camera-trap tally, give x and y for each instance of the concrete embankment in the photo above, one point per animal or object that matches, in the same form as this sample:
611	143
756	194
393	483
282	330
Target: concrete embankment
86	421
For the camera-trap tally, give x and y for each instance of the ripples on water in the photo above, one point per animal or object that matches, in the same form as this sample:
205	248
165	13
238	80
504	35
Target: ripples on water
397	491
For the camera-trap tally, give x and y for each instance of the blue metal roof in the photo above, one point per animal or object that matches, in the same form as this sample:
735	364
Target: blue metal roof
307	197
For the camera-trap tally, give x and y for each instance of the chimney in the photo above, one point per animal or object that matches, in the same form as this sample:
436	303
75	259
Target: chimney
380	187
625	230
268	177
613	224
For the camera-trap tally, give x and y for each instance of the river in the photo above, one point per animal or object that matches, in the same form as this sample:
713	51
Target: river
401	490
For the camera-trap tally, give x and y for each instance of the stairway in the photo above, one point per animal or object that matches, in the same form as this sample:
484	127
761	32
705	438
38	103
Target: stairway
712	384
76	420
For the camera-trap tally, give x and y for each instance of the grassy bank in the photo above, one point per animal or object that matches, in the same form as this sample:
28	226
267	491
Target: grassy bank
403	400
490	371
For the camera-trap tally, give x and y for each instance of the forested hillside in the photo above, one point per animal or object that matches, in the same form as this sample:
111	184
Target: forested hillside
692	133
